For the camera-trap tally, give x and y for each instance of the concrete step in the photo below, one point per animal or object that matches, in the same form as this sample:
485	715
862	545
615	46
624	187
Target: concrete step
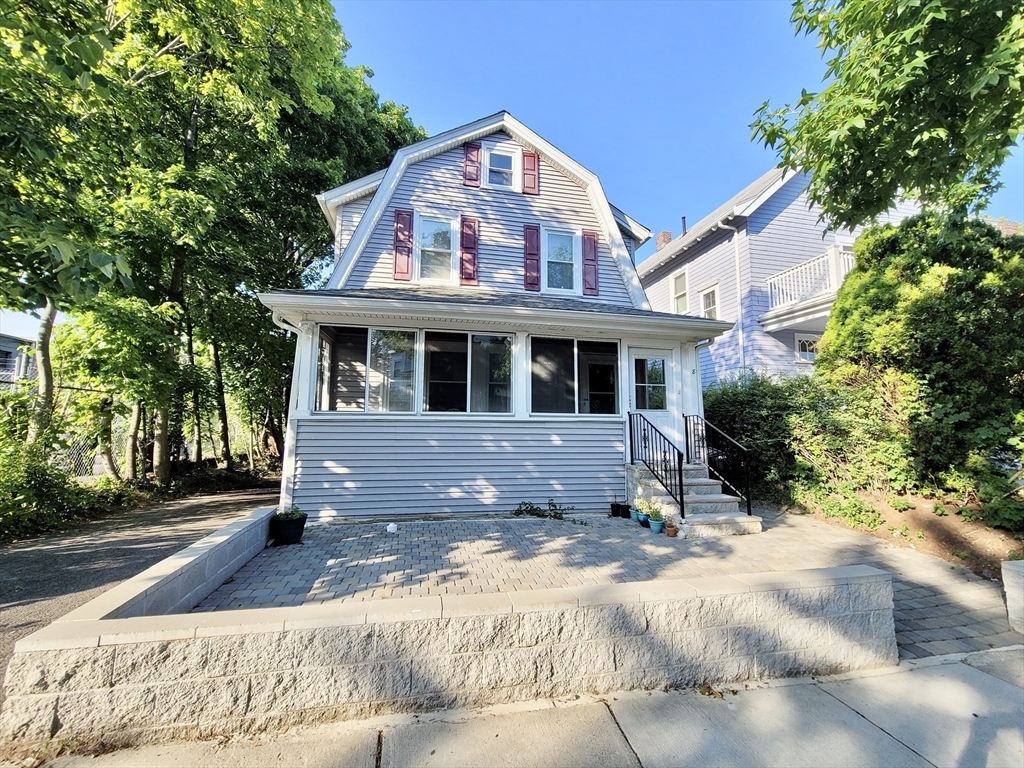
711	504
710	526
696	471
701	486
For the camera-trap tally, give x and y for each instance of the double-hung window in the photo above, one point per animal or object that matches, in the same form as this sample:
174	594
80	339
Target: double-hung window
709	303
569	376
436	251
680	303
502	169
560	257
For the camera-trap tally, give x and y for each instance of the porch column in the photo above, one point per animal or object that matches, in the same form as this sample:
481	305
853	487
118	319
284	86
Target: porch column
301	404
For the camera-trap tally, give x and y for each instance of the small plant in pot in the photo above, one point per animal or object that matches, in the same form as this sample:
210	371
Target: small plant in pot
657	521
671	528
643	511
286	527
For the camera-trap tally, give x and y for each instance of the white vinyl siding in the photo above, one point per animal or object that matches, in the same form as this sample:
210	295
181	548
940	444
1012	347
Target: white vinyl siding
436	183
349	215
383	466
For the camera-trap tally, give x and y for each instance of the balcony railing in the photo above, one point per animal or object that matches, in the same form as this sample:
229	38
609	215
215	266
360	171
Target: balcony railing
817	276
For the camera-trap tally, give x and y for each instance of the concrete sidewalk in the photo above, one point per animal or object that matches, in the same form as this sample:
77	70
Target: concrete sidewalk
957	710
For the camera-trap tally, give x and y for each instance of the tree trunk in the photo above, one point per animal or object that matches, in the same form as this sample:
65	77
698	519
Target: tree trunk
275	432
161	446
197	429
44	371
222	409
131	451
252	450
106	418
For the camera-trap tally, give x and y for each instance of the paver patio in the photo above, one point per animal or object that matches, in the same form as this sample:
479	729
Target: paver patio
939	608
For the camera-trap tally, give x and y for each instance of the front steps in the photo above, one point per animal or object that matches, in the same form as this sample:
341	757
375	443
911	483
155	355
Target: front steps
709	512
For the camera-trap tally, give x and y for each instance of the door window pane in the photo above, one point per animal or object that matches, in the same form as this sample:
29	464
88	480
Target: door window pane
561	264
445	371
341	384
553	386
649	376
491	366
435	249
598	371
391	368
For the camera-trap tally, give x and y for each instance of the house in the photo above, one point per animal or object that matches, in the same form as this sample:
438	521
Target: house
16	360
481	339
763	261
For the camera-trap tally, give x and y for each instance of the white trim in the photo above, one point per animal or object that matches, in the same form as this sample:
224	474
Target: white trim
797	338
477	130
417	231
516	153
577	259
718	301
672	291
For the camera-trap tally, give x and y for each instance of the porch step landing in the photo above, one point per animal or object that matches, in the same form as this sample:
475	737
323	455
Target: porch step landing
709	512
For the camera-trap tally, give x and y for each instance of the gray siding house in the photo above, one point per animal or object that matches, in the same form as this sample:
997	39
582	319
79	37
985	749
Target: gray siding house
763	262
482	338
16	359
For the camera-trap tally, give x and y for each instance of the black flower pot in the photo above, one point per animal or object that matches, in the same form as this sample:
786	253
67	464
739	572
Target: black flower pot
620	510
284	531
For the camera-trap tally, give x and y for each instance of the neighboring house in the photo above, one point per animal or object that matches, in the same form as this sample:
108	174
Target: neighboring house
16	360
768	241
481	339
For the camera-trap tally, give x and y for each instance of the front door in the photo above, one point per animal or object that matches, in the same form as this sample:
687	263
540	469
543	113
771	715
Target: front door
652	388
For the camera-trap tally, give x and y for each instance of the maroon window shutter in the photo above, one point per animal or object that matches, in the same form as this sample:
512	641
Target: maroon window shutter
531	173
403	245
531	257
590	264
469	246
471	165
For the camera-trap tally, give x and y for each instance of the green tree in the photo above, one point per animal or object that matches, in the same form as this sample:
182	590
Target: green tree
923	98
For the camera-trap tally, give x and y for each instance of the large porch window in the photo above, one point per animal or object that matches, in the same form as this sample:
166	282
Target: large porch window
376	370
569	376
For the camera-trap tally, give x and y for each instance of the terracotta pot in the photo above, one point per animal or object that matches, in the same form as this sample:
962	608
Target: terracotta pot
671	530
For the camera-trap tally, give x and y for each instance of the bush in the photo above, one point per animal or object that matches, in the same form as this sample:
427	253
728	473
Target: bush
34	495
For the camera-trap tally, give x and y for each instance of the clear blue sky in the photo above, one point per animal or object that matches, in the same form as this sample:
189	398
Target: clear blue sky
654	97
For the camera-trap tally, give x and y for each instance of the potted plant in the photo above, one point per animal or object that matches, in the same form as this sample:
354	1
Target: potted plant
670	528
287	527
619	509
657	521
643	512
633	513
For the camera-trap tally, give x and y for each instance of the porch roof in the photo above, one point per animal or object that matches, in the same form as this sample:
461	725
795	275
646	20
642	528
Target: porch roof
482	306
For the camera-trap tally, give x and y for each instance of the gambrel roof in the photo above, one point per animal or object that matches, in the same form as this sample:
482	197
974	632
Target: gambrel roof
384	183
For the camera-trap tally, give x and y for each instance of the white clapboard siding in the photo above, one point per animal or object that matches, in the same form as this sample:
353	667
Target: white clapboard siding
436	185
349	215
401	466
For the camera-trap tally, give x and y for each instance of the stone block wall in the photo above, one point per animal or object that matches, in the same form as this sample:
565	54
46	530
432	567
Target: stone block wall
1013	586
143	679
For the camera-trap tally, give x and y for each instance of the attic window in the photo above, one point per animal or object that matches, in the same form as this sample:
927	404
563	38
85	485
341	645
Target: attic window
502	169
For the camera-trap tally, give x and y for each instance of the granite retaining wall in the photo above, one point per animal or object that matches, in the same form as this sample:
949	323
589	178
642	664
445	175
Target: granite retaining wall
146	678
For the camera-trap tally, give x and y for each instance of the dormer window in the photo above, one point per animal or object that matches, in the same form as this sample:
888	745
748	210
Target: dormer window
502	169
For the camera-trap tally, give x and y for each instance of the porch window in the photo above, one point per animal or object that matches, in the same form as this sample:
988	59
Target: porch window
491	374
341	374
392	357
569	376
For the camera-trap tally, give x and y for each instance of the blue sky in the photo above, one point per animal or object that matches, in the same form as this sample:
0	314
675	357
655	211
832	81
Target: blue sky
654	97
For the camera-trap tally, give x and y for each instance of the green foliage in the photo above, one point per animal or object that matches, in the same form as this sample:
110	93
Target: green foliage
922	98
656	515
291	514
554	511
900	505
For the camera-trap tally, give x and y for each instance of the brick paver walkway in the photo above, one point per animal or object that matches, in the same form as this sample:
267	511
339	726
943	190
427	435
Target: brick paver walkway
940	608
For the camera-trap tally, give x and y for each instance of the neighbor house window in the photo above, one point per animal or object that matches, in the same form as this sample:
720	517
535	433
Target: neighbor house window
680	304
649	375
467	372
806	348
709	304
560	256
434	251
569	376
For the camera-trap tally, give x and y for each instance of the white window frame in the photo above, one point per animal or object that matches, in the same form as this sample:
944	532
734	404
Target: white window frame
672	291
797	338
620	403
517	168
577	260
417	230
469	412
718	304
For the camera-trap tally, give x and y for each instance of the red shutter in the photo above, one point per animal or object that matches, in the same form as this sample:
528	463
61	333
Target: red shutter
469	247
531	173
531	257
590	264
403	245
471	165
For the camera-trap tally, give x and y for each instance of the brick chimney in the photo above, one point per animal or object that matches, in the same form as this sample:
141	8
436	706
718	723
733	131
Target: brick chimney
664	238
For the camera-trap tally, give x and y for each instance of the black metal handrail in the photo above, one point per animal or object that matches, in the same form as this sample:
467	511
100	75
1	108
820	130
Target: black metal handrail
726	459
660	455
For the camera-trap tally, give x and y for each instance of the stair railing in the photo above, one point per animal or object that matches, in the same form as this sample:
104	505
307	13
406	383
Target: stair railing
660	455
726	459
